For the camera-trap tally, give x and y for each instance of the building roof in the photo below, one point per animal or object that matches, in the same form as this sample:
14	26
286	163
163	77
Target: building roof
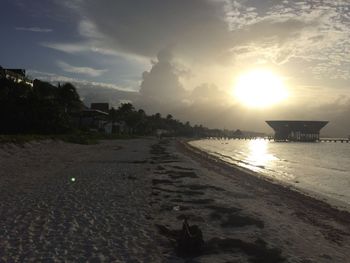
19	71
92	112
104	106
297	125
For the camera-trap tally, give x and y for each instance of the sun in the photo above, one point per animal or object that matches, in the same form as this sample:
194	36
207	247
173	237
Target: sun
260	88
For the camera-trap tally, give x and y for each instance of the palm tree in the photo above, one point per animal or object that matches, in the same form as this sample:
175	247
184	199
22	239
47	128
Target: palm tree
158	115
69	98
126	108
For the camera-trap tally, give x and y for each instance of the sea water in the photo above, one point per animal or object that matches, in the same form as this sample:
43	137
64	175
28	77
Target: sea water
322	168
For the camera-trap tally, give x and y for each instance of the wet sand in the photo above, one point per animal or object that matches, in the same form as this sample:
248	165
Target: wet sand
129	198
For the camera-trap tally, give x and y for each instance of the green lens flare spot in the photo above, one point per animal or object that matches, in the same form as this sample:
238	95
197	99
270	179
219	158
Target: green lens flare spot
72	179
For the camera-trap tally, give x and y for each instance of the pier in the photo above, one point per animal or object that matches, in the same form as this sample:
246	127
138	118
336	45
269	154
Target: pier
286	131
342	140
271	138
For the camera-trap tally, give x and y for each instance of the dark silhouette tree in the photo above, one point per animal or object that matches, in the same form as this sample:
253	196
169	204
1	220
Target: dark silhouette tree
41	108
126	108
69	98
113	115
44	108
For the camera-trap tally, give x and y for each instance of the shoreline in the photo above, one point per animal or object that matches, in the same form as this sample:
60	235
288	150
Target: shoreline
311	198
231	206
129	198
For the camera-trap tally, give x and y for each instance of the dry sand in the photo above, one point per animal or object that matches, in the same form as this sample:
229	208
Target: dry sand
100	217
124	192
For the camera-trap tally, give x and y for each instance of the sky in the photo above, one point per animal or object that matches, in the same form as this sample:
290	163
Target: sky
184	57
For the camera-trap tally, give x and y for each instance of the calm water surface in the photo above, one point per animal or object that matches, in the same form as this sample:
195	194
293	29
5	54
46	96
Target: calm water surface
319	168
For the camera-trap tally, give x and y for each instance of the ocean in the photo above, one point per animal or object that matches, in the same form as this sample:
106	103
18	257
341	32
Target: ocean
320	169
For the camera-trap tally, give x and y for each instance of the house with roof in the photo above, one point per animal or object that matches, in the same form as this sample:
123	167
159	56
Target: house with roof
16	75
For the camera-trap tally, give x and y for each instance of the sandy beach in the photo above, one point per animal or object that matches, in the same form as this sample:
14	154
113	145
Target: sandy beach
119	201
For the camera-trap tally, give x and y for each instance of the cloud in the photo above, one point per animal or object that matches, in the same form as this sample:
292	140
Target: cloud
51	77
92	91
80	47
67	47
316	31
220	31
207	93
80	70
337	112
144	29
308	41
92	46
162	82
34	29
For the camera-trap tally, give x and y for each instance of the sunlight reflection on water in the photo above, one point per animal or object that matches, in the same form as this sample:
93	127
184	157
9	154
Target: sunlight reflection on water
258	153
321	168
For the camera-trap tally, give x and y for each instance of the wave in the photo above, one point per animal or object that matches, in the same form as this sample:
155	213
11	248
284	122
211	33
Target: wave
321	167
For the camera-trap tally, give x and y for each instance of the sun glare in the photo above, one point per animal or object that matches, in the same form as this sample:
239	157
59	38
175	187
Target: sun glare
260	89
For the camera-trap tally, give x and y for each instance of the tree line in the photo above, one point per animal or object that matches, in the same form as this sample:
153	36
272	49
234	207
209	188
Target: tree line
143	124
41	108
47	109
